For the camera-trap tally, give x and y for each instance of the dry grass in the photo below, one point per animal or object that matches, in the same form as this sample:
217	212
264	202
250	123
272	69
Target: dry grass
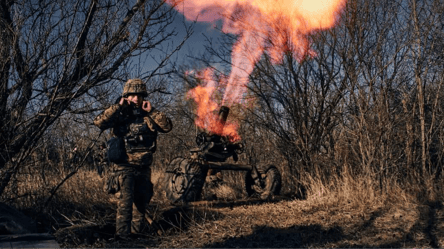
79	201
351	214
347	211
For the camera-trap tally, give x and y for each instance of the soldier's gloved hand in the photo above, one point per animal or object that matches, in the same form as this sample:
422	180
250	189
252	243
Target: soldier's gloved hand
146	106
124	102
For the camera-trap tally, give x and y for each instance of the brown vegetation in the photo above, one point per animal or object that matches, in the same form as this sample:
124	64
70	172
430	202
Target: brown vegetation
346	214
356	133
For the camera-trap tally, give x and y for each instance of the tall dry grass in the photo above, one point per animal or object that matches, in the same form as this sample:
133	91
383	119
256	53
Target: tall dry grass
81	200
32	185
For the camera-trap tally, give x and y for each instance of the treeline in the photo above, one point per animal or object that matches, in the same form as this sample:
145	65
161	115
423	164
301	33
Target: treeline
369	104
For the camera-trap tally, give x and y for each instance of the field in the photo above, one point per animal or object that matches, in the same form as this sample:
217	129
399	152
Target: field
346	214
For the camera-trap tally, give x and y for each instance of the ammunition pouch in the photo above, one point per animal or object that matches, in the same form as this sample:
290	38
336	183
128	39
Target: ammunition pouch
141	143
116	150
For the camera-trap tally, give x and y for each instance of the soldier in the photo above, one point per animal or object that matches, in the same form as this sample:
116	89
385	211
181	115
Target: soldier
101	158
137	123
73	159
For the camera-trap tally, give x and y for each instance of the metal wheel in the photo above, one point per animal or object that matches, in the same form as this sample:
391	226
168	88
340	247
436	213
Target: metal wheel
268	184
184	180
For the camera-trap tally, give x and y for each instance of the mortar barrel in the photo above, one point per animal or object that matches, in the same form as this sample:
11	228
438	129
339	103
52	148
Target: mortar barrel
223	115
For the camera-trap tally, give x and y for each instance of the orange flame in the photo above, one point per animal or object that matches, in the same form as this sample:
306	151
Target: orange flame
272	26
206	108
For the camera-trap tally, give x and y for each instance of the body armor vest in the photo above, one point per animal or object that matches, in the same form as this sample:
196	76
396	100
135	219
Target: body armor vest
137	135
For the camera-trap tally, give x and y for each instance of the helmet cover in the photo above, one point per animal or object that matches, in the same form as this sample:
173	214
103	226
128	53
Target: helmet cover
134	86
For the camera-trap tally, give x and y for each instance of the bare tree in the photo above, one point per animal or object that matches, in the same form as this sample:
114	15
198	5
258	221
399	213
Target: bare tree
426	30
370	102
54	53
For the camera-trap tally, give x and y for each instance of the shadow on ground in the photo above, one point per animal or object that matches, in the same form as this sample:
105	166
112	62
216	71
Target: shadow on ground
294	237
371	230
310	236
179	219
426	231
169	222
375	231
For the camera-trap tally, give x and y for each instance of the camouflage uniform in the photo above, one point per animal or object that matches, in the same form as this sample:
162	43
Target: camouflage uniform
101	159
139	130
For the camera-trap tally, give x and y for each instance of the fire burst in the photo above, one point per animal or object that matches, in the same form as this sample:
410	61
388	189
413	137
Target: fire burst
271	26
206	108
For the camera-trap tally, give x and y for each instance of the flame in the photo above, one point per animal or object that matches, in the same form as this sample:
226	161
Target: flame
207	108
272	26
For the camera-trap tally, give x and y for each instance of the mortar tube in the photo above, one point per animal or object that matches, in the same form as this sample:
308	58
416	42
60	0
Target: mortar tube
223	115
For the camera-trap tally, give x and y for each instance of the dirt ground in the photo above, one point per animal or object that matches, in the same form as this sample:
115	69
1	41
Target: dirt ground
275	223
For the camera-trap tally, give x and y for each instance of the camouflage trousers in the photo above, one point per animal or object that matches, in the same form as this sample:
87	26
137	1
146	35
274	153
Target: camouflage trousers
136	191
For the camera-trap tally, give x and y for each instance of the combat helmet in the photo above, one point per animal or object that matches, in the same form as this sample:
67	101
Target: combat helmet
134	86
